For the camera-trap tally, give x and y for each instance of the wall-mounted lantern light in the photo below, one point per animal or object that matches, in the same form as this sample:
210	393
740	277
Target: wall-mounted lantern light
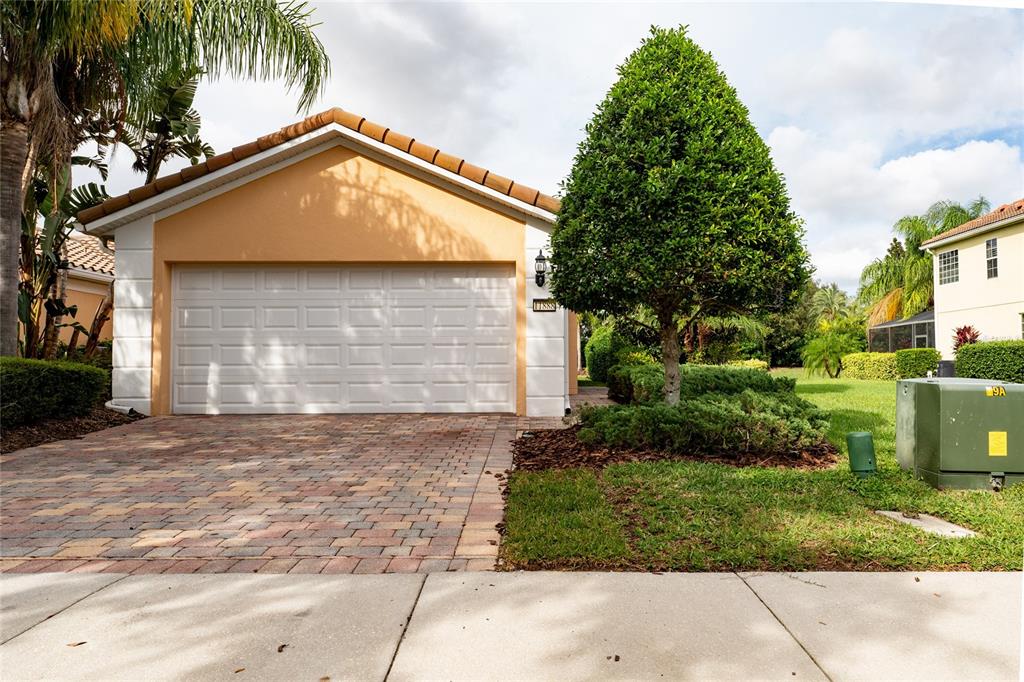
540	269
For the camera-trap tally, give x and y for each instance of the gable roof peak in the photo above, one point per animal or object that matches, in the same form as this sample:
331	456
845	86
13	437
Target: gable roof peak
347	119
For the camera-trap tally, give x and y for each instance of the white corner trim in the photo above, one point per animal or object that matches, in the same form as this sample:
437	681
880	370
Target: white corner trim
313	142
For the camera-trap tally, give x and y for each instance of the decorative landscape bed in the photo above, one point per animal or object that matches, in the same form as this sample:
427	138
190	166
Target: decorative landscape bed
571	505
563	449
61	428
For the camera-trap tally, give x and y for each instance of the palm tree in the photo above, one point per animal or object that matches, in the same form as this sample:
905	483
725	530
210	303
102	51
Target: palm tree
109	54
830	303
900	283
172	131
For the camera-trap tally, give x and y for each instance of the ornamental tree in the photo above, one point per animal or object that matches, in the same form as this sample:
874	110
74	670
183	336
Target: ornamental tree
673	210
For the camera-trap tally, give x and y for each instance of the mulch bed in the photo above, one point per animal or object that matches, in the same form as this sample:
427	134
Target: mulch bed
562	449
49	430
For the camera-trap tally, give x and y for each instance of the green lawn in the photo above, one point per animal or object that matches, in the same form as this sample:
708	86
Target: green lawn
687	516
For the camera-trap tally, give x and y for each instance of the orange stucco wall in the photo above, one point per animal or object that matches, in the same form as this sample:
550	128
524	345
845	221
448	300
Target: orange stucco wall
335	207
87	295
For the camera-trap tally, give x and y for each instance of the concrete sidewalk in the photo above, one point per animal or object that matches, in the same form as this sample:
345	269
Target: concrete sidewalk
484	626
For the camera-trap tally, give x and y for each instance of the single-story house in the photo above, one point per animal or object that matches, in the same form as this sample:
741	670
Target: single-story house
979	277
90	272
335	266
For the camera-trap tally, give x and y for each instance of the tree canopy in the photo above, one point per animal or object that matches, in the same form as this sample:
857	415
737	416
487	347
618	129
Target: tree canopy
78	69
673	203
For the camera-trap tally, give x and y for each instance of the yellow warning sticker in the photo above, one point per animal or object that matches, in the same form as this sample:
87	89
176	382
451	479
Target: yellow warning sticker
997	443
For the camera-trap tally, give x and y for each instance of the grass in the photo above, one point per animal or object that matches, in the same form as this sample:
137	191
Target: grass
693	516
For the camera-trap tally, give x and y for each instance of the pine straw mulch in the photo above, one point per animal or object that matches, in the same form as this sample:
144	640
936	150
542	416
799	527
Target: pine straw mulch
61	428
562	449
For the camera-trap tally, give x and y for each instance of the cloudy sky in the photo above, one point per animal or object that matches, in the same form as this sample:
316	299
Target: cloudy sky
872	111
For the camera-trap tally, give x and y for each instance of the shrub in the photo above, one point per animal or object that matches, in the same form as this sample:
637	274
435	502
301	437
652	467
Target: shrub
877	366
999	360
645	383
31	390
631	355
916	362
712	424
964	336
824	353
600	356
752	363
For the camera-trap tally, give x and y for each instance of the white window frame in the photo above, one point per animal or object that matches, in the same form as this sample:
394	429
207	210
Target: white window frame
992	258
949	266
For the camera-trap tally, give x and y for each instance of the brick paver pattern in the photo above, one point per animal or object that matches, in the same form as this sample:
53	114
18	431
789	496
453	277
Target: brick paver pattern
265	494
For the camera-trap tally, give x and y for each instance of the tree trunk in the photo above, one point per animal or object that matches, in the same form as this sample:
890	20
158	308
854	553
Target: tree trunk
73	342
13	162
102	315
670	356
60	289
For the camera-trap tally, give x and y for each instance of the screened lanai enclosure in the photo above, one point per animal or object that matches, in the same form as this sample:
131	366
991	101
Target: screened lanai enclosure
917	331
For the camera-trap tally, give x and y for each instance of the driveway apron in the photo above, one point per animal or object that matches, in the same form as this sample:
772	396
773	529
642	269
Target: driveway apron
267	494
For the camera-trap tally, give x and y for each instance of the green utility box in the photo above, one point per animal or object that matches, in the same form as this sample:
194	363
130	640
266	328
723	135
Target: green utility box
961	433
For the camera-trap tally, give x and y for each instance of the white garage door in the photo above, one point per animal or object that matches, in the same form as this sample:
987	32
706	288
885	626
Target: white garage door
343	339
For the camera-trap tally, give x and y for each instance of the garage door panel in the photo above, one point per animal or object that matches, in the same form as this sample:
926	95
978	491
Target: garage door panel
343	339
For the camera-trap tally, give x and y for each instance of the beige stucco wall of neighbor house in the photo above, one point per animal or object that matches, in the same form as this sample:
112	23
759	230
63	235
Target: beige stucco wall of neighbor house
992	306
87	295
338	206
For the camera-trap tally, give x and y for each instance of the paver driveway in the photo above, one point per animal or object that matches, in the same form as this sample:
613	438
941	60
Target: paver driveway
291	493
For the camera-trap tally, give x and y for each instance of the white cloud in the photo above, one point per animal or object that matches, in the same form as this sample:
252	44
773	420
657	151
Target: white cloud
850	196
872	111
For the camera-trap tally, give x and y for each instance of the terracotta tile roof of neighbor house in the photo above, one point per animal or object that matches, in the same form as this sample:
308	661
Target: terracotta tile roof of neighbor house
1010	210
87	253
351	121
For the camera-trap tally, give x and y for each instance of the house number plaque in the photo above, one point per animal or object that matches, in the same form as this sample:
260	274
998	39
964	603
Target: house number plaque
544	305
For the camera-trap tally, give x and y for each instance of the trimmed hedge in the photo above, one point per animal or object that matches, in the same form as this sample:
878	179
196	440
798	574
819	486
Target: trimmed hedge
999	360
916	362
878	366
646	383
712	424
31	390
600	354
752	363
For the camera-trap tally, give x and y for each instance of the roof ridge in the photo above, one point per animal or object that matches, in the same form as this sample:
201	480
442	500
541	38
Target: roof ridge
1005	211
354	122
84	252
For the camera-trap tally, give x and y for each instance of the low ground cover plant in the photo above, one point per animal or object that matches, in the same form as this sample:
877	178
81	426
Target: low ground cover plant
643	383
39	389
766	425
999	360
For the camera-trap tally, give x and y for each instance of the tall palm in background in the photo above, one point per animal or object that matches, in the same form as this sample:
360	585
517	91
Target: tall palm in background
173	130
65	63
830	303
900	284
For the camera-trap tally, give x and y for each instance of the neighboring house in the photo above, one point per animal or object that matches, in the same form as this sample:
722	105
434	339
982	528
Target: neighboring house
916	331
335	266
979	277
90	271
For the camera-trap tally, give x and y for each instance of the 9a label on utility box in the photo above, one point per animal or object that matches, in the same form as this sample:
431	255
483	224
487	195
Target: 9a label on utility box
997	443
995	392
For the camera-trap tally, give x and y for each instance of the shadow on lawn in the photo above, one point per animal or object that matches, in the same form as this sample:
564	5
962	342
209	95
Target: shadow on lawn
822	388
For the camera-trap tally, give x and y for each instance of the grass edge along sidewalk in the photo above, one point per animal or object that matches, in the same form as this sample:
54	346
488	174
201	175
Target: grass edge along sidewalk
696	516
